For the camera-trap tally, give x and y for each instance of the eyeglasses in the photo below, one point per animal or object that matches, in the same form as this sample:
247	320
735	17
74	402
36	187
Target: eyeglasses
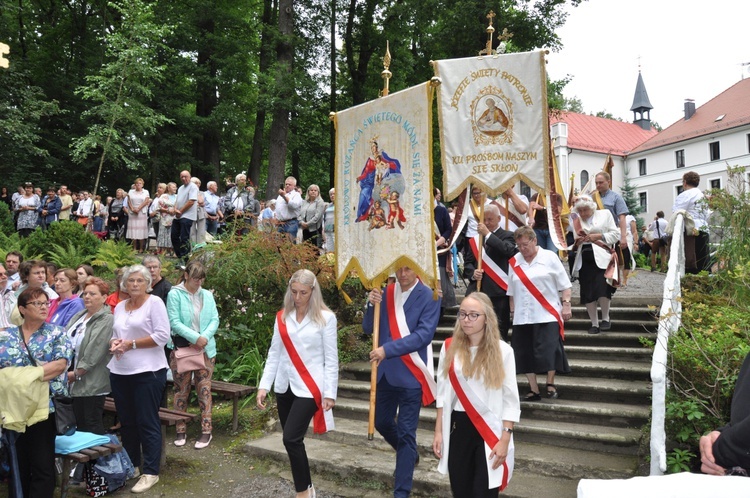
39	304
472	317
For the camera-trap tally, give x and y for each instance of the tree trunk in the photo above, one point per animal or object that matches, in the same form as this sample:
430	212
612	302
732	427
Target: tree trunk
332	162
266	46
285	85
206	146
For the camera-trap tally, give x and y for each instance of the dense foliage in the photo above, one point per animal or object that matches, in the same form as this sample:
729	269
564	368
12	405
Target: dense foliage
68	236
249	276
201	83
706	354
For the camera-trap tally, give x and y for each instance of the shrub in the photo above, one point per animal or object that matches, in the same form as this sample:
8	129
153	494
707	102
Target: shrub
41	243
68	256
114	254
8	244
248	276
7	227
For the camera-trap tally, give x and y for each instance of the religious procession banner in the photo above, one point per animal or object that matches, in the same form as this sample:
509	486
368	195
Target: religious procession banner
384	210
494	127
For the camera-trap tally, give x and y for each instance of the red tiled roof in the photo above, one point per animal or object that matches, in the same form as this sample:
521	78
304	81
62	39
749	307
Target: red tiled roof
733	103
603	135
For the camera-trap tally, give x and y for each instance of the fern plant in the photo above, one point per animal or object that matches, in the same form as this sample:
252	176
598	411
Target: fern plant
68	256
114	255
9	243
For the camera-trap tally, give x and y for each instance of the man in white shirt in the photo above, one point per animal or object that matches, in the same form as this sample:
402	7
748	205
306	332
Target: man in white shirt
84	207
288	206
691	200
12	261
186	212
213	208
7	300
67	203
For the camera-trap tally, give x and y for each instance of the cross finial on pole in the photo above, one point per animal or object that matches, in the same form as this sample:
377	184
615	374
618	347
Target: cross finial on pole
490	30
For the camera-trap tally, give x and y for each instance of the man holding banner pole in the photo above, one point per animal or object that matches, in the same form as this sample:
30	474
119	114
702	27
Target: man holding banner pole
405	376
499	247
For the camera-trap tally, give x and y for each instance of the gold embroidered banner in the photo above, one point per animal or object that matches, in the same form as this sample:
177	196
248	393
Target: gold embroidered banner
494	128
384	210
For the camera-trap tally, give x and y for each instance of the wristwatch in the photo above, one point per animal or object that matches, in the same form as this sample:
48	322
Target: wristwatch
507	429
134	344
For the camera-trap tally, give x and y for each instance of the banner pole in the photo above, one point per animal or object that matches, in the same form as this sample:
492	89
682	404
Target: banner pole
374	373
507	214
481	242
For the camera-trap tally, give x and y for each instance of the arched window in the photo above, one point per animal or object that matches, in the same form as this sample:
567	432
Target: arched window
584	178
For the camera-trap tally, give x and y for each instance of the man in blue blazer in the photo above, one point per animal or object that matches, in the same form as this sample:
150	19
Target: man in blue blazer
408	318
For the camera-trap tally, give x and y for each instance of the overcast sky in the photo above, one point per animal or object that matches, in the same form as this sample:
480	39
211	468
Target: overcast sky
687	49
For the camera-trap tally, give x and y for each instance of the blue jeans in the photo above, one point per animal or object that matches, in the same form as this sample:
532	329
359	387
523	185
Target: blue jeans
181	237
290	227
543	239
98	224
400	433
138	398
212	226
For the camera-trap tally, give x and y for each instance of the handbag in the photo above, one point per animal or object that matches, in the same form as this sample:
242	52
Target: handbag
189	359
65	417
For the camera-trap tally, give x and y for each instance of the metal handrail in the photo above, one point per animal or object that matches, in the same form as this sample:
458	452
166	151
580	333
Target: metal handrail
670	318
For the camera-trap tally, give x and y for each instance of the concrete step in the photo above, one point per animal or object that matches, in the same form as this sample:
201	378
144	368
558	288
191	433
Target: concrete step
367	462
640	354
641	314
578	333
576	434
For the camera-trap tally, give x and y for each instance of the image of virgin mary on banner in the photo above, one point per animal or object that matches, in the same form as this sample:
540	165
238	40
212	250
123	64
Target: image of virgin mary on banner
384	212
494	128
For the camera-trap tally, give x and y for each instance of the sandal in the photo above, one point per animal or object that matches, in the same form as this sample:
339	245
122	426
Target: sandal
552	393
532	396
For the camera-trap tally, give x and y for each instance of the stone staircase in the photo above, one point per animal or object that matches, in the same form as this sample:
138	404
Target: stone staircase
592	431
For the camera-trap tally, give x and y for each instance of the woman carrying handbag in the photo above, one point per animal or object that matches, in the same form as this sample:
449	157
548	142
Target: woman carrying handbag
194	321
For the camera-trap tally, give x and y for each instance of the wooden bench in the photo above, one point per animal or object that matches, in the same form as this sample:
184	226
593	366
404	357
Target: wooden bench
83	456
167	417
231	391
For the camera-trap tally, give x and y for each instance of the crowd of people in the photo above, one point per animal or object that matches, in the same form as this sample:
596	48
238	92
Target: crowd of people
87	342
176	218
93	340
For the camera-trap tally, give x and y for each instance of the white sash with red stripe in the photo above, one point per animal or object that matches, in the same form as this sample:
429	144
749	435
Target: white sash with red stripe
322	420
424	373
487	423
514	263
491	268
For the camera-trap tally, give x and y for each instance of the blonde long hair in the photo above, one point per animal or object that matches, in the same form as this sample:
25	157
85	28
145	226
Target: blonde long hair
316	305
488	361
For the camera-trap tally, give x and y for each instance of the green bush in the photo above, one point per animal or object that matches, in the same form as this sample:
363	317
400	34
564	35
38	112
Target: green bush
248	276
7	227
113	255
41	243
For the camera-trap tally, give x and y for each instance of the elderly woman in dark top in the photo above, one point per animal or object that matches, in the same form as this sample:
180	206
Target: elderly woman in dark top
37	344
311	216
90	331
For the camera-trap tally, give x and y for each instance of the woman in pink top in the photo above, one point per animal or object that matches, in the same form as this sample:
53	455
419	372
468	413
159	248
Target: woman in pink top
138	371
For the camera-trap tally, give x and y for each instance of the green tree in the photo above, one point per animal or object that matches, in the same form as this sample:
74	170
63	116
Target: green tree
123	91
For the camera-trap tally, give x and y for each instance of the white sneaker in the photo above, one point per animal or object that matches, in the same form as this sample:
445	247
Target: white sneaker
311	491
145	483
181	440
136	474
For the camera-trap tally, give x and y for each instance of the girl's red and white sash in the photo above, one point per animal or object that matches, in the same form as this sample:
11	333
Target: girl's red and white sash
490	267
424	373
487	423
322	420
537	293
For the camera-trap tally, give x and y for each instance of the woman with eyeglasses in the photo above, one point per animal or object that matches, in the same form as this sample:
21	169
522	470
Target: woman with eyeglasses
535	281
138	372
194	320
90	331
37	345
477	403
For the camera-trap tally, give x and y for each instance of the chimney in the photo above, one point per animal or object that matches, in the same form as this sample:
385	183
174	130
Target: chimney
689	108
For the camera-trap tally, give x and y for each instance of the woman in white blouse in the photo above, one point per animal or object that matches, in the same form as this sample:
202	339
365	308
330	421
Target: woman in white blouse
476	368
303	366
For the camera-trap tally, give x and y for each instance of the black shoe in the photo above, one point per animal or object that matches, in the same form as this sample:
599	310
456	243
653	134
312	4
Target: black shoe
552	391
531	396
594	330
605	325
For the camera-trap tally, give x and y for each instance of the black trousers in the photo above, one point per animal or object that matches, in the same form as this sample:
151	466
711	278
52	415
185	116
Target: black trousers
295	414
467	463
36	459
89	411
501	305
